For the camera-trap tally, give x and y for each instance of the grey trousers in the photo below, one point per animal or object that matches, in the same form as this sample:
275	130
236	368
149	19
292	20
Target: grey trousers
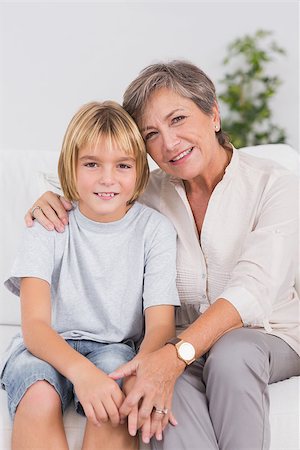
221	401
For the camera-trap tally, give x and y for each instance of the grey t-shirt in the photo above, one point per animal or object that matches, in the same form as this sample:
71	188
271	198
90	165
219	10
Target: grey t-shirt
102	275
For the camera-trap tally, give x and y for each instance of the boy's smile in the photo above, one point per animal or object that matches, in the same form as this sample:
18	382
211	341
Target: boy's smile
106	179
106	195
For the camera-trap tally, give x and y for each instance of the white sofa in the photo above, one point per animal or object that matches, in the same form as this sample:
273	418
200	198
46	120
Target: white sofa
24	175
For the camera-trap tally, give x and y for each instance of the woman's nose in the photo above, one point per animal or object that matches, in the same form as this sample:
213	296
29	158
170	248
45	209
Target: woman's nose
170	140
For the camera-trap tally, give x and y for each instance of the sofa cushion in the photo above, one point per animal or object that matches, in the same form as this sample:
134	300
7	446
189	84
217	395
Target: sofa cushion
21	182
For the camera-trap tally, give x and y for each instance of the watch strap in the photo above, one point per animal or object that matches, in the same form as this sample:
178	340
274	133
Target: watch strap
175	341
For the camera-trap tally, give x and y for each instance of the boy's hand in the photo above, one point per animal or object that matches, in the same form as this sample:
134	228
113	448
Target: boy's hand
99	395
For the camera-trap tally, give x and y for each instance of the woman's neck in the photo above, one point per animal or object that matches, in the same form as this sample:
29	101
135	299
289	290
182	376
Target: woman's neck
207	181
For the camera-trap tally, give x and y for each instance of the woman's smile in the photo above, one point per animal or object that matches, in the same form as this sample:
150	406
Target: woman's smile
182	156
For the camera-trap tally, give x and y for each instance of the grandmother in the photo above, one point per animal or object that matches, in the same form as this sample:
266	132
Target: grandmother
236	219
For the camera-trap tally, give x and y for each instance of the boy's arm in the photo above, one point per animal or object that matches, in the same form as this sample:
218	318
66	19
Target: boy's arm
100	396
159	297
159	328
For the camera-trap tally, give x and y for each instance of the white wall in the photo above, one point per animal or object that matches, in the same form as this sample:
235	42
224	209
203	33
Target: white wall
54	56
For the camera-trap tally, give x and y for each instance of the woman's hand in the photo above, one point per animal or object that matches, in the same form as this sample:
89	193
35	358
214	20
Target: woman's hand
156	374
151	425
50	210
99	395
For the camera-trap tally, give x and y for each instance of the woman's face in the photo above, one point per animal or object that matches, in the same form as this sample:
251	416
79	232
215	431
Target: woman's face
178	135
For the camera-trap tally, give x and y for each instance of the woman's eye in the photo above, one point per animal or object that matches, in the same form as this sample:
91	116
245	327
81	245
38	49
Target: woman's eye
91	164
178	119
149	135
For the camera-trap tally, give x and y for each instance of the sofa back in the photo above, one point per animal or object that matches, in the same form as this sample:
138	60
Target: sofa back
25	175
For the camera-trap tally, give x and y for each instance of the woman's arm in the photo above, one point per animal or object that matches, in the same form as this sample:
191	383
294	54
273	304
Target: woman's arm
52	212
157	373
100	396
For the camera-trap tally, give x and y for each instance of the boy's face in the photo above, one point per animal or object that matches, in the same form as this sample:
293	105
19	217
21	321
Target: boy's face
106	179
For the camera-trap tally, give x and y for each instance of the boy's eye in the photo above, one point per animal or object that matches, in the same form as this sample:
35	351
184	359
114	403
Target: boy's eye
90	164
178	119
124	166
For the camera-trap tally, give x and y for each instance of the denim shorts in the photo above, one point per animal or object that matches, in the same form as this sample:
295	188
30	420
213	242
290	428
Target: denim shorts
23	369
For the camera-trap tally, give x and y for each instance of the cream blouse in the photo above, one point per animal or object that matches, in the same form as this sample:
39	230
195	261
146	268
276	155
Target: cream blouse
248	250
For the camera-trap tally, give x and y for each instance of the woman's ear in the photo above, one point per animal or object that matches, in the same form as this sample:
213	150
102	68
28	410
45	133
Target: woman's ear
216	118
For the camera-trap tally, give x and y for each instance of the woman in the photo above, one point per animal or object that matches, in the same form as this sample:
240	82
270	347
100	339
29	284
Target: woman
236	219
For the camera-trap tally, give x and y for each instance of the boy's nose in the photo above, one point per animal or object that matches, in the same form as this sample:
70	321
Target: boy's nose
107	177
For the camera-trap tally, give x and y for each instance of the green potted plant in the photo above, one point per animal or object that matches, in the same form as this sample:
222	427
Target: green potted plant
249	90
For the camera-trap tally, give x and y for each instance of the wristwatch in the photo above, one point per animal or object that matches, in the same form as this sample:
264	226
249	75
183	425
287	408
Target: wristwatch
185	351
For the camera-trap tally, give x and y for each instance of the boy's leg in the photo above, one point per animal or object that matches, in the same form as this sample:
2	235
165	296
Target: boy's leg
108	357
38	421
107	437
37	394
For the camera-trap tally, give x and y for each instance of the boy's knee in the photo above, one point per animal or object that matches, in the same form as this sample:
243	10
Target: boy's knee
40	399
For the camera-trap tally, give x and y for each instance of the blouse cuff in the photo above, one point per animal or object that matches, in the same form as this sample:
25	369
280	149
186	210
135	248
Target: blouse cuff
247	306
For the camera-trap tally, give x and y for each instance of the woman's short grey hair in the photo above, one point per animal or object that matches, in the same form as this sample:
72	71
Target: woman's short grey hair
182	77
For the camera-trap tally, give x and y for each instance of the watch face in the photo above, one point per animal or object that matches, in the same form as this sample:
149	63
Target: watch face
186	351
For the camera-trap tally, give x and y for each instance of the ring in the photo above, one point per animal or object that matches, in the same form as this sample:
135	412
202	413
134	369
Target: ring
34	209
161	411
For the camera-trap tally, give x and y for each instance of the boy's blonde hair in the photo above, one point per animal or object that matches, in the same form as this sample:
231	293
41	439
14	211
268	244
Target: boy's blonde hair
95	121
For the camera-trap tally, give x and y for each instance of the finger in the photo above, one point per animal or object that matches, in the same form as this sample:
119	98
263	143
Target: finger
48	219
100	413
130	402
54	212
112	411
172	419
118	397
28	219
90	414
132	421
158	432
125	370
66	204
168	408
146	431
156	421
51	213
146	409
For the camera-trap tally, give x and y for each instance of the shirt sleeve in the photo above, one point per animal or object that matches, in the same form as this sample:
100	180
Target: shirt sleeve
35	257
265	271
160	265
